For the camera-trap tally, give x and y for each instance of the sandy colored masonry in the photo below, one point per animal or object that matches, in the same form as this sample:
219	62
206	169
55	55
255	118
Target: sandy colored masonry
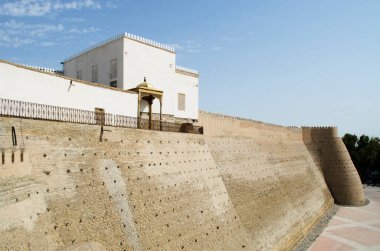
244	185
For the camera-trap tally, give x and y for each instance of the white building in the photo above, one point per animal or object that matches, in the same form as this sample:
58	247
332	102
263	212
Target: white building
37	85
125	60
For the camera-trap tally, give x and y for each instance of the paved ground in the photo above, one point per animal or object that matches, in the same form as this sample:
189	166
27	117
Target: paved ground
353	228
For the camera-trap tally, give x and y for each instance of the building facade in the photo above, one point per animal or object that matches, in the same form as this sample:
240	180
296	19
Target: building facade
125	60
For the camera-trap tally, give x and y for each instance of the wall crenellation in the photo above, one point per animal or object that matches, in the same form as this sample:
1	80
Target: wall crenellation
318	127
318	133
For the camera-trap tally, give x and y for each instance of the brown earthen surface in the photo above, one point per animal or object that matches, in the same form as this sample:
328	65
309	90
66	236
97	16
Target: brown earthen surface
275	186
331	155
242	185
135	190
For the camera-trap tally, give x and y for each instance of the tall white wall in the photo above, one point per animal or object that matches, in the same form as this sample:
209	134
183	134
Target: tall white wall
157	65
102	57
188	85
18	83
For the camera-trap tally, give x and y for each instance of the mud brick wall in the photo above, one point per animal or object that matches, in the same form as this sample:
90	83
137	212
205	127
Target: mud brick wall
275	185
339	171
244	185
135	190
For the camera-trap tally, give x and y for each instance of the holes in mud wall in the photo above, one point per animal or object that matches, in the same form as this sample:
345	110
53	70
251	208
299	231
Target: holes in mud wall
22	156
13	157
2	157
68	171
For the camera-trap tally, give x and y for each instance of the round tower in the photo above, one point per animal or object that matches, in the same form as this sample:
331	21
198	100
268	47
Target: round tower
338	169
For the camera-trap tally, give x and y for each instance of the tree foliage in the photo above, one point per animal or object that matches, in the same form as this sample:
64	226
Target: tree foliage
364	152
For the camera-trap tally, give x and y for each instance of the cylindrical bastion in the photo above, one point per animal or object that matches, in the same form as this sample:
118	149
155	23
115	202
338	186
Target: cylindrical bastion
338	169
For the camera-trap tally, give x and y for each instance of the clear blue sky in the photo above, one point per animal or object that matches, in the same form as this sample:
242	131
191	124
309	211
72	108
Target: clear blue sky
283	62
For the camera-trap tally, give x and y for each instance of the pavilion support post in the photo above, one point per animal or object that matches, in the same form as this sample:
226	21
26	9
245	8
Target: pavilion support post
160	113
147	93
150	113
138	110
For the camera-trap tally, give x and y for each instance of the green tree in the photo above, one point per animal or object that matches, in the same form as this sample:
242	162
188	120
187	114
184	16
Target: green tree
351	142
364	152
362	142
369	155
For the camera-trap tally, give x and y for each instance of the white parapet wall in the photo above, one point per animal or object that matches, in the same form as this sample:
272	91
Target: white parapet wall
30	85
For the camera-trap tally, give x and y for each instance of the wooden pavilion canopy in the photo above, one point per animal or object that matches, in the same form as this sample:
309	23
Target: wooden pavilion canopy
145	91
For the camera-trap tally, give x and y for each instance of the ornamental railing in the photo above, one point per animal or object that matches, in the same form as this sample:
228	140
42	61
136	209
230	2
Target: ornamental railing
24	109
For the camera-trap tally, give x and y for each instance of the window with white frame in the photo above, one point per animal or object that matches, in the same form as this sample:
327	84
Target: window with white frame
181	102
94	73
113	69
79	74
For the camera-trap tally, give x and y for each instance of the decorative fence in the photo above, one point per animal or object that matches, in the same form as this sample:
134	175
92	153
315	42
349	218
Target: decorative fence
56	113
46	69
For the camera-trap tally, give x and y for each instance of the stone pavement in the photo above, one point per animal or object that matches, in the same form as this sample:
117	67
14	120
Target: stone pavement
353	228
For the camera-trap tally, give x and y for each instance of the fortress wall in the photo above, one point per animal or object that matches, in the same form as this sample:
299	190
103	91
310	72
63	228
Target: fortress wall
275	185
242	185
310	134
339	171
223	125
136	189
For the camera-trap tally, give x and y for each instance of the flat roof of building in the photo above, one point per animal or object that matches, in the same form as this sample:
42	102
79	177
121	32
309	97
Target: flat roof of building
122	36
179	69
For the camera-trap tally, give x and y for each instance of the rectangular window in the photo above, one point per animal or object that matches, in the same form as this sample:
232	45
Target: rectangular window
113	69
181	102
113	83
94	74
79	74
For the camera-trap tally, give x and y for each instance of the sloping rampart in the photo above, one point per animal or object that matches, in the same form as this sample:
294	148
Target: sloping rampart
331	155
242	185
274	184
135	190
